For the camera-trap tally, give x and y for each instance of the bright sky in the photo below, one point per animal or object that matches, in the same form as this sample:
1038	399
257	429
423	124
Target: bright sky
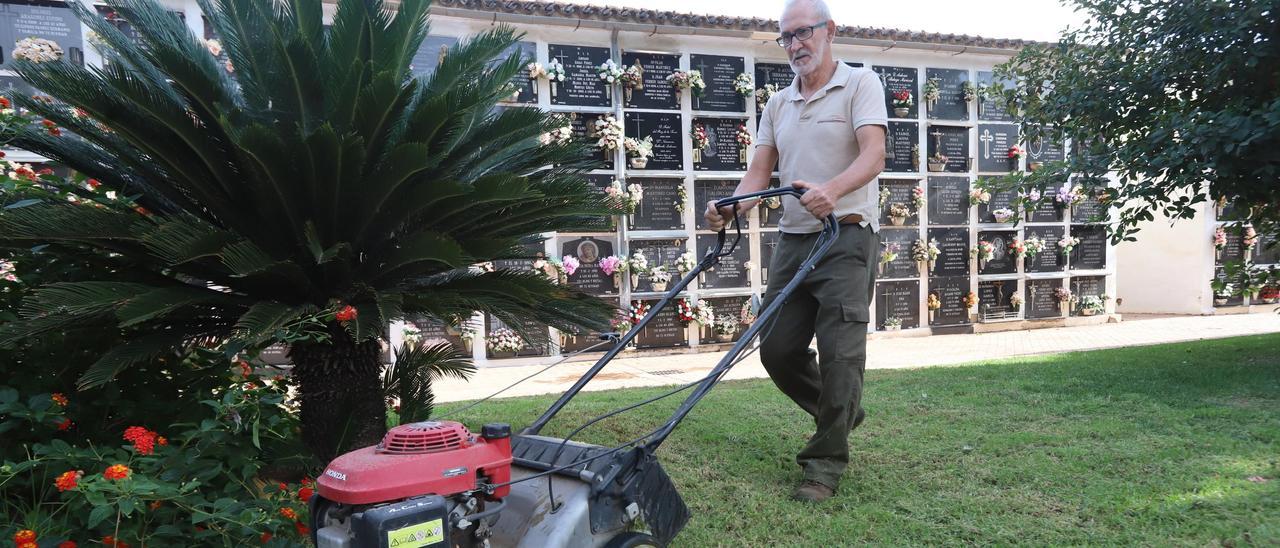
1027	19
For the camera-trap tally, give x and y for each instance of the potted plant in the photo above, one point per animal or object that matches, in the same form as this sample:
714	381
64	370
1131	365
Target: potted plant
685	263
970	301
1004	215
969	91
1270	294
917	198
1018	249
621	323
704	315
659	277
690	80
892	323
1222	292
1066	196
626	200
608	133
925	254
632	78
698	134
938	162
743	137
1015	302
555	74
1066	244
725	328
503	343
614	266
902	102
979	196
637	265
983	252
1034	246
764	94
931	92
1064	298
1015	153
898	214
639	150
743	85
933	304
887	256
609	72
1091	305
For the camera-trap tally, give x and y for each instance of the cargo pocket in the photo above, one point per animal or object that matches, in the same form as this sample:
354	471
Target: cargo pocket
855	313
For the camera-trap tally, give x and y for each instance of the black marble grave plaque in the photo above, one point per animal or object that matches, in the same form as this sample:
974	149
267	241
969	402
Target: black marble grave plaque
1220	273
723	152
1047	147
656	92
954	143
899	240
1228	212
1048	210
535	339
993	298
660	207
664	331
896	79
900	192
1266	251
1039	300
528	89
1091	254
582	86
768	242
1234	250
1051	259
994	141
432	332
721	307
581	339
719	71
992	108
668	147
999	200
433	50
1002	259
588	277
600	183
950	293
1088	286
953	247
899	300
901	154
951	104
1090	210
659	253
15	85
948	201
706	190
778	74
583	125
52	21
732	270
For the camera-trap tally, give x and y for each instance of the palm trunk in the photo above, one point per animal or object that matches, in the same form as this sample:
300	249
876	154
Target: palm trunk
340	388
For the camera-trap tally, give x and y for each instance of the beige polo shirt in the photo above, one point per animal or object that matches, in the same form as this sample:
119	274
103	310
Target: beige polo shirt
816	141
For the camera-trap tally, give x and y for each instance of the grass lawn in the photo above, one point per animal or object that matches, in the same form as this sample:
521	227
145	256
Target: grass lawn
1140	446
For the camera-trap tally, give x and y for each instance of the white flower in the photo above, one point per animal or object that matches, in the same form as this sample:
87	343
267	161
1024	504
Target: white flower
37	50
748	265
214	47
111	194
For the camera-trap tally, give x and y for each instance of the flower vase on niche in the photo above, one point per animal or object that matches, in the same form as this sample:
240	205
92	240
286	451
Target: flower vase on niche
639	162
901	112
697	156
742	155
617	280
659	286
635	281
932	314
1065	306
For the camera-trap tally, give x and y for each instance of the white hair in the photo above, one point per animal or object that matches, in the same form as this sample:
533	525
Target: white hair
819	8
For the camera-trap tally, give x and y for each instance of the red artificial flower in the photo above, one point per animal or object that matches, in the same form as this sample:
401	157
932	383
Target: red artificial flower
266	537
65	425
305	494
161	440
142	210
346	314
5	103
283	486
80	112
155	505
307	481
48	123
55	132
1	154
60	399
116	472
303	530
45	171
28	545
144	441
111	541
25	535
67	544
250	386
288	513
67	481
93	183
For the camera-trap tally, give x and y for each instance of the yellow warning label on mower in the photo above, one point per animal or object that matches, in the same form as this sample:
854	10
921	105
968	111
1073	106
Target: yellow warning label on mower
417	536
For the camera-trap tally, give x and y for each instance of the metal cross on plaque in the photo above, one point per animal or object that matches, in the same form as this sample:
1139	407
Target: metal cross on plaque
986	139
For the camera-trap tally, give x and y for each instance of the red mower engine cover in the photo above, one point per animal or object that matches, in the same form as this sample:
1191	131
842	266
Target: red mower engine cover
422	458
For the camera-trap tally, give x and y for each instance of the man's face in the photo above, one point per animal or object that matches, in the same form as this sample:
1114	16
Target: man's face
805	55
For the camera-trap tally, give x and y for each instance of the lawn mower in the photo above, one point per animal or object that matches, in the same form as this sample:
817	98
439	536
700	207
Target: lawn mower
437	484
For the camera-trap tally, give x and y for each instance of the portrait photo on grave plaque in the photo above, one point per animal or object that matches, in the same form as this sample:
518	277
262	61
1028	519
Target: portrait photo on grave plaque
582	86
948	199
900	202
995	300
895	254
991	105
664	331
583	125
706	190
659	253
589	250
897	80
733	270
664	129
1091	252
902	150
1002	259
728	326
662	207
653	91
950	297
1051	259
951	103
953	248
719	73
1041	301
948	149
897	305
723	150
994	144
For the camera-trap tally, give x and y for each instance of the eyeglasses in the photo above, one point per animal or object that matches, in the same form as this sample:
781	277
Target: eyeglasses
802	34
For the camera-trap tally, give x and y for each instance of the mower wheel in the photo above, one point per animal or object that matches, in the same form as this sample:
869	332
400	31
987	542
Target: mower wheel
632	539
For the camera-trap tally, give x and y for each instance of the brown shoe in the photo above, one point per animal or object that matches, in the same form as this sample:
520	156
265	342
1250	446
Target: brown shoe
812	491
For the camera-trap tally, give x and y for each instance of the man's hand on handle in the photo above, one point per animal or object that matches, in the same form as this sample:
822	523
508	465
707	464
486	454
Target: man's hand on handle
818	200
717	219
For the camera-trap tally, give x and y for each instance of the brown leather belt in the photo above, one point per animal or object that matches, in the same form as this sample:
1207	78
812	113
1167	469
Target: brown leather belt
851	219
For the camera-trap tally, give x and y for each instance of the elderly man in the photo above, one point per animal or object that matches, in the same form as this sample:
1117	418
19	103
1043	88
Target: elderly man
826	134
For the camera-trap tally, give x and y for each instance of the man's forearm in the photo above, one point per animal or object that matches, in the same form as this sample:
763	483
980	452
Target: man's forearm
862	171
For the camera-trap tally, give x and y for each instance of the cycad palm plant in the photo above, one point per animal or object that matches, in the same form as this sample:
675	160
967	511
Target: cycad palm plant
312	172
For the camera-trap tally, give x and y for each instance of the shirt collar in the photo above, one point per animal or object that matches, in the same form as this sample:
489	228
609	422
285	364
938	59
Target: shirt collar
838	79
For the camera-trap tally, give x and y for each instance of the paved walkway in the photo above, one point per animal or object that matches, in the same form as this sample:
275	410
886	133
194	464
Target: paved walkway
884	353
